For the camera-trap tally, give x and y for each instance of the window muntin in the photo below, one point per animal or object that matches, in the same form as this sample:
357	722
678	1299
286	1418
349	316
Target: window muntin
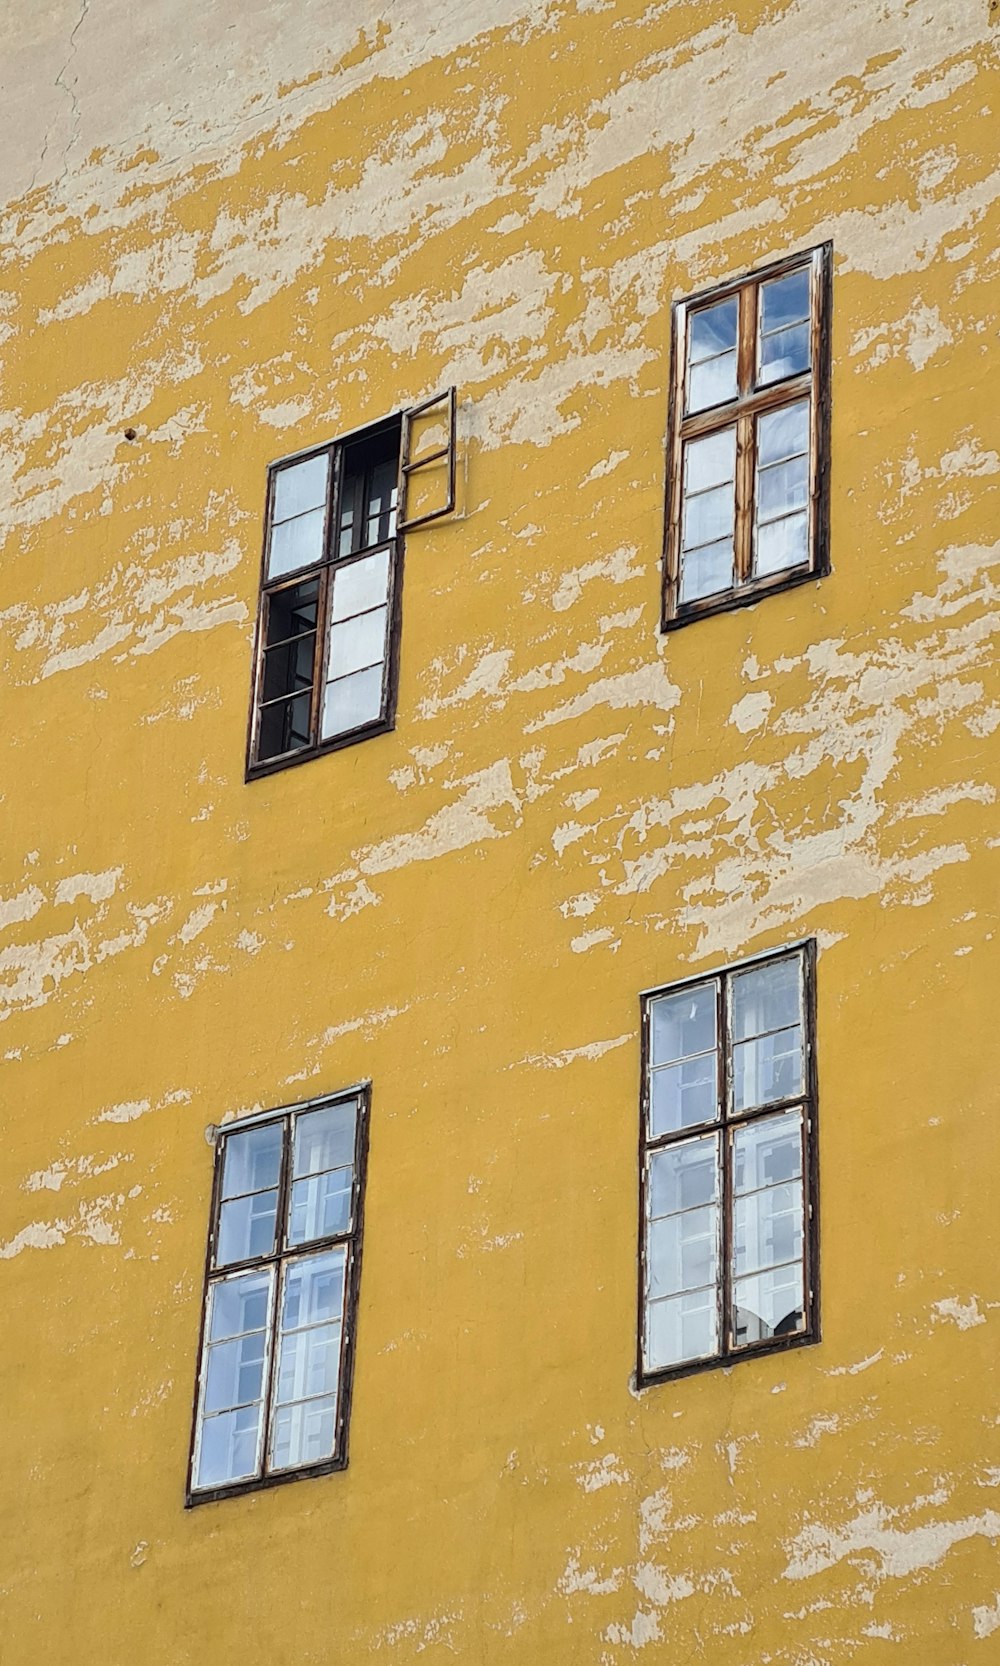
747	476
328	624
727	1253
280	1297
325	653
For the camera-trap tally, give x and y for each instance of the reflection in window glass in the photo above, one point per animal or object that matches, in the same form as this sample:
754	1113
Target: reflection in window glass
741	1180
712	355
274	1332
781	527
748	487
708	515
784	327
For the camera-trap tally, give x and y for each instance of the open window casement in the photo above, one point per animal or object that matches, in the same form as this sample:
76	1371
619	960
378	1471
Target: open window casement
329	619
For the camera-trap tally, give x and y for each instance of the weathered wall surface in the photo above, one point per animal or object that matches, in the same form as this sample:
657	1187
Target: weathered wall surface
243	229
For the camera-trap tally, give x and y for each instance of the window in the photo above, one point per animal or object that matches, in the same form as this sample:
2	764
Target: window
281	1298
748	444
328	625
729	1224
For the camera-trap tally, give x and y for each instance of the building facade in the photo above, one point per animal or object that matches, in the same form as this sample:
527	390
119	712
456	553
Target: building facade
498	804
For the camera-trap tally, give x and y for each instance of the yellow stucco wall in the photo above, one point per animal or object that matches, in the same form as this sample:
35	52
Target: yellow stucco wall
242	229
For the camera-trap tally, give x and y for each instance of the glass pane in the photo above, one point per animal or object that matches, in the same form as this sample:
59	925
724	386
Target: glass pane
768	1228
767	997
303	1434
346	541
782	487
228	1449
301	486
292	611
235	1372
710	461
712	330
238	1305
708	516
781	544
684	1176
246	1228
768	1152
768	1068
297	543
324	1139
252	1161
309	1363
706	571
712	383
683	1094
351	701
314	1290
784	300
783	433
357	643
682	1024
285	727
289	668
682	1252
361	585
681	1328
768	1304
382	502
321	1206
784	354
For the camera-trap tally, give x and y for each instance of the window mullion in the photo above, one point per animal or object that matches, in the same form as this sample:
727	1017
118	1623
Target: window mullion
725	1281
274	1325
745	463
271	1346
746	359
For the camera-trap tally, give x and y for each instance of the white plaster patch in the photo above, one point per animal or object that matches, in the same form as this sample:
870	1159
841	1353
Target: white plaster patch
600	1473
751	712
986	1620
859	1366
604	467
23	906
576	1578
96	887
558	1061
889	1552
645	1628
963	1314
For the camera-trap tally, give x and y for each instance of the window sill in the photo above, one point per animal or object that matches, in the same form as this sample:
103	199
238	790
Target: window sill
236	1489
773	1345
746	596
289	760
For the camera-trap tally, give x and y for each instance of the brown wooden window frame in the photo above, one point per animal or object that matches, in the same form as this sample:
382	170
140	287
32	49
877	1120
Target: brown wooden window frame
723	1126
323	573
752	401
274	1264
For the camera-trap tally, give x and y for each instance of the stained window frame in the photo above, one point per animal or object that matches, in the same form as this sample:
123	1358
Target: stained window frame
409	462
284	1253
726	1121
741	413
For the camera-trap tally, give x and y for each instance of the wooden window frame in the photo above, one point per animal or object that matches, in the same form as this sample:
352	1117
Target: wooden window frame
724	1123
409	464
741	412
350	1239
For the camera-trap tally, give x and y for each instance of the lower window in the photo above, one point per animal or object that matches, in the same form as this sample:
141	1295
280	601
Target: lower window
280	1299
729	1211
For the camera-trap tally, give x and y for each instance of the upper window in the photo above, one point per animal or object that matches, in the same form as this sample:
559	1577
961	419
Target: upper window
747	477
729	1225
280	1298
328	625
